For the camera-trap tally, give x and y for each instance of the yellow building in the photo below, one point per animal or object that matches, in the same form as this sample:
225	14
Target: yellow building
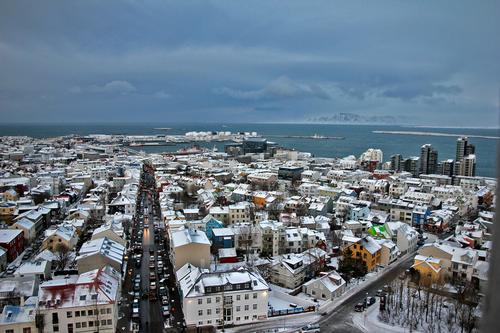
259	199
429	268
11	195
7	208
368	250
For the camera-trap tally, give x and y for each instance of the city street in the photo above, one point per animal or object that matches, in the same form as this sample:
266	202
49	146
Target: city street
340	319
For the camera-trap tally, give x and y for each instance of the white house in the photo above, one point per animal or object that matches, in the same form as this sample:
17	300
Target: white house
326	287
234	297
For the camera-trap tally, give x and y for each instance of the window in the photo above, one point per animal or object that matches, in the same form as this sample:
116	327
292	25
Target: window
254	306
108	310
103	322
77	313
200	301
246	296
209	312
91	323
238	308
110	321
55	328
217	299
84	324
69	314
200	312
217	310
200	322
83	297
254	295
91	312
26	329
246	317
83	313
70	328
78	325
238	297
94	297
55	318
209	300
9	331
103	311
238	318
247	307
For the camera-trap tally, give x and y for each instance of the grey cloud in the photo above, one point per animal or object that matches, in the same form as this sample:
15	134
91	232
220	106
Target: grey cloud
162	95
411	91
114	87
280	88
427	58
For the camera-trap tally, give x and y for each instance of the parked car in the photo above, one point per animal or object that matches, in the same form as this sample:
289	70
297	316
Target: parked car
311	328
359	307
370	300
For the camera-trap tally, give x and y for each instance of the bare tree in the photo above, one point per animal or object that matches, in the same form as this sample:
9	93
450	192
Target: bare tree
62	254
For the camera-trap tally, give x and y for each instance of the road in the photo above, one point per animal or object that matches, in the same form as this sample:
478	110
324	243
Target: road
340	319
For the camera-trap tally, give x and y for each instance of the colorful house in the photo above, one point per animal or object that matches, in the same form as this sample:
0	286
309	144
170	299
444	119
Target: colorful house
368	250
429	269
210	224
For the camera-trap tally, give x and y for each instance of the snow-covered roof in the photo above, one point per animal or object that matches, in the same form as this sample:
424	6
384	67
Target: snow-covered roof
8	235
188	236
99	286
102	246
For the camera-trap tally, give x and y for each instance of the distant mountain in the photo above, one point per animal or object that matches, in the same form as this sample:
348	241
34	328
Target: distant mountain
353	118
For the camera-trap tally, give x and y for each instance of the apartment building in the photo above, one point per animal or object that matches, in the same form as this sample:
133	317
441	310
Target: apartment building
80	303
231	298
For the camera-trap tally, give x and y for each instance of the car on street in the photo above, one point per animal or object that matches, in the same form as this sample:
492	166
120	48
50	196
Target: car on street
152	265
152	276
370	301
359	307
135	309
137	286
164	311
164	300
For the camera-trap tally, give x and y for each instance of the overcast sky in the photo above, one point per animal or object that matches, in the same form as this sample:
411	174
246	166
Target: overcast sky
425	62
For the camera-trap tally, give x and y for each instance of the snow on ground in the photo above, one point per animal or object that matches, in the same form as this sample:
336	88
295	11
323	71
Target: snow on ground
306	297
282	289
368	321
281	301
277	303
